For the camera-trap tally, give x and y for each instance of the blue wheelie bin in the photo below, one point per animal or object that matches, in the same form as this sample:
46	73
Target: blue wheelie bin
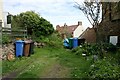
75	42
66	43
19	48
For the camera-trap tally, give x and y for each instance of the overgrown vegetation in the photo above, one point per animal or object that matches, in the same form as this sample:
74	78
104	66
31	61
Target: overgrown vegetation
101	60
104	60
6	39
53	40
95	49
104	69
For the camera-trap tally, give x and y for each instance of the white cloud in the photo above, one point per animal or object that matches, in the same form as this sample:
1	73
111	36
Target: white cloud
55	11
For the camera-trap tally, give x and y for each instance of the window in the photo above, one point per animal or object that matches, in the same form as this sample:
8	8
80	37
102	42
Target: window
113	40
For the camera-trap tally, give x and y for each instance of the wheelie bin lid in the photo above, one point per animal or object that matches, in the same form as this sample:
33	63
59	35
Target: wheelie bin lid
70	38
27	42
19	41
75	38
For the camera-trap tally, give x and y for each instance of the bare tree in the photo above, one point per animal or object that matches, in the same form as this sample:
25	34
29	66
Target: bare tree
92	10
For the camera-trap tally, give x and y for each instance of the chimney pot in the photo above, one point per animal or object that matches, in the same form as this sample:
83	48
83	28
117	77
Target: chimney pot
79	23
65	24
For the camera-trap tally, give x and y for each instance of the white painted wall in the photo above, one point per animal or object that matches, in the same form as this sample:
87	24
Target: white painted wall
1	12
78	31
5	20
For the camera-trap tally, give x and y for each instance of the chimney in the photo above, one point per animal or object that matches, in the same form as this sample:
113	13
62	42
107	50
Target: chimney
79	23
57	27
65	24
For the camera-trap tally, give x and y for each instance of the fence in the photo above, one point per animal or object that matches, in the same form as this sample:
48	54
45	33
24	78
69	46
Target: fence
18	33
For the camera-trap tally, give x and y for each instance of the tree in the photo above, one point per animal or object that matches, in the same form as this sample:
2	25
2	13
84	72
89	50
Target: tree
44	28
16	22
92	10
35	24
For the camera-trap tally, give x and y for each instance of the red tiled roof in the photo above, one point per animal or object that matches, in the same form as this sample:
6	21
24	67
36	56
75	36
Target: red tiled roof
66	28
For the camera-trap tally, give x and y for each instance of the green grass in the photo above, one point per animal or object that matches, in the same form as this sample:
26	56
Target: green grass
47	57
18	63
43	58
54	53
78	65
36	64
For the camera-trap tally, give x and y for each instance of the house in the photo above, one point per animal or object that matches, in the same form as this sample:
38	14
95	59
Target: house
70	31
7	19
1	14
3	17
109	28
89	35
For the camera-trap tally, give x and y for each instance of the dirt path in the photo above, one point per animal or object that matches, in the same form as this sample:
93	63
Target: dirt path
11	75
51	69
55	71
14	74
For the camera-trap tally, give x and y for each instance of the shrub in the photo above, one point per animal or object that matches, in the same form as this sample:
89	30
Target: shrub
6	39
52	40
75	49
109	47
104	69
118	56
87	49
95	49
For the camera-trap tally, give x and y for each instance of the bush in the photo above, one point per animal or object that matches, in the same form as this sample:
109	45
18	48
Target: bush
75	49
87	49
6	39
101	67
52	40
118	56
109	47
95	49
104	69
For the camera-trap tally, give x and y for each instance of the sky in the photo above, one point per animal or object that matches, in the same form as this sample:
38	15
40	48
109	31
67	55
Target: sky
57	12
